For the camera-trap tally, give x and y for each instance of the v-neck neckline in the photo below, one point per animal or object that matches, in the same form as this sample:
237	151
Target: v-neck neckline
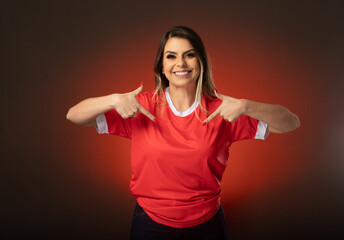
173	108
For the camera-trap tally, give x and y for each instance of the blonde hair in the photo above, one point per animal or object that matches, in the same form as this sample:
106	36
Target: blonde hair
204	85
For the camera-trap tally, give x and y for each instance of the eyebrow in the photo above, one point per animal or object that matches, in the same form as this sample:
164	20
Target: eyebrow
183	53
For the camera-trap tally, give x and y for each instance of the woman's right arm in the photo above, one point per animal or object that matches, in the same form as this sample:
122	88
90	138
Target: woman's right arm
126	104
86	112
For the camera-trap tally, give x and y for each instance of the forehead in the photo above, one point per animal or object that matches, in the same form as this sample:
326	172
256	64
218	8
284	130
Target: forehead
177	45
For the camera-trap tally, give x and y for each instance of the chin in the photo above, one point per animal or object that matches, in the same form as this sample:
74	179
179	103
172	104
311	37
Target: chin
180	83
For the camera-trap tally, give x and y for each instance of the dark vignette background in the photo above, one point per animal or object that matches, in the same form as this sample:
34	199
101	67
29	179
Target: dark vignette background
62	181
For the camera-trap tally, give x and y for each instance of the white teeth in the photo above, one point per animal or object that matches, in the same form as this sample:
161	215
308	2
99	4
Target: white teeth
181	73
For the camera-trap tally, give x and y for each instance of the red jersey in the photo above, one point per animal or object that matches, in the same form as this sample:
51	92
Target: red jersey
177	164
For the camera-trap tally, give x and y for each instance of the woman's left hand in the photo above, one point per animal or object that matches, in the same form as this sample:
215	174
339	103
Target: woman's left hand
230	109
278	118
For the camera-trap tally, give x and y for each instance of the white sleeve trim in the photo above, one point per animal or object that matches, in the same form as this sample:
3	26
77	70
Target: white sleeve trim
101	124
262	131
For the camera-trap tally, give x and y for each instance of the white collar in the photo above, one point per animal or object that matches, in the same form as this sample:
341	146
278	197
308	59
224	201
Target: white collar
173	108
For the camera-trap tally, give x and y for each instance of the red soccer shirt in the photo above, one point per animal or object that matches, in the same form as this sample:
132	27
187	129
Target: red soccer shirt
177	164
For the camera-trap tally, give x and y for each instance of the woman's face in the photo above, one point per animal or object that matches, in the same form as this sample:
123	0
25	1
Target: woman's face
180	64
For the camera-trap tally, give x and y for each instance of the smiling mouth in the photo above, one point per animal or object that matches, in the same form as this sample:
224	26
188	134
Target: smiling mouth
182	73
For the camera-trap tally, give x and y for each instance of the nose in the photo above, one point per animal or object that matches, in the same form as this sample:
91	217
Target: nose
181	62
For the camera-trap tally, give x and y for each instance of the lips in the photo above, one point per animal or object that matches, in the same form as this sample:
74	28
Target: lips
182	73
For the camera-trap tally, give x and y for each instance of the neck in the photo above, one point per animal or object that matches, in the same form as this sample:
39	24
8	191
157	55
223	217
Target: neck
182	97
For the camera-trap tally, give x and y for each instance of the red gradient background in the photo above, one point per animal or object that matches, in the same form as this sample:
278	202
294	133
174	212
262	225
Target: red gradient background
63	181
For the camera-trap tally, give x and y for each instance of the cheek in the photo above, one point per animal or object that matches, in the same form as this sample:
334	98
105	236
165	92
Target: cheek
195	64
166	67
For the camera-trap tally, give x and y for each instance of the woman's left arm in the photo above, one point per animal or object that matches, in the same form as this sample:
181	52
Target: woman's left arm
278	118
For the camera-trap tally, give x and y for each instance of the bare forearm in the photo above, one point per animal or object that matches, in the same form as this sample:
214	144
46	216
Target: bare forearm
86	112
279	118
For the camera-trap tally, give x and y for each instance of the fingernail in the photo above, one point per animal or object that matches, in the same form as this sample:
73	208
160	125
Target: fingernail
216	90
141	84
204	123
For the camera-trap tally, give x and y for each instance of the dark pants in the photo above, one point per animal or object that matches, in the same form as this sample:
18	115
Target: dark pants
144	228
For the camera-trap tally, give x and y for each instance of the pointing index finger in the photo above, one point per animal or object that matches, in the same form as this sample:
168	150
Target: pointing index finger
212	116
146	112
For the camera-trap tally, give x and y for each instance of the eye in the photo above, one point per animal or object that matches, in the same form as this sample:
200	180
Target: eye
191	55
170	56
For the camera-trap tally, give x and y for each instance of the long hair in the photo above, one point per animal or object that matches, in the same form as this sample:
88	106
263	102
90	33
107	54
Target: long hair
204	84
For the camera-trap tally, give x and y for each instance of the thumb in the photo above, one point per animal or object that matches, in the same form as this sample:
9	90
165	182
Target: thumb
138	90
218	95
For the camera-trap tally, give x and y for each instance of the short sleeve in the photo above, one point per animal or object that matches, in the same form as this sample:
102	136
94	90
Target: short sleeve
112	123
246	127
262	131
101	124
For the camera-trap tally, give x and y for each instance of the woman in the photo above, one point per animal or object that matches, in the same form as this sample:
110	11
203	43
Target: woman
181	134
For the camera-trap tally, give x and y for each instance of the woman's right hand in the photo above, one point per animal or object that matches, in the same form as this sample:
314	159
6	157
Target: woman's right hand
127	105
86	112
